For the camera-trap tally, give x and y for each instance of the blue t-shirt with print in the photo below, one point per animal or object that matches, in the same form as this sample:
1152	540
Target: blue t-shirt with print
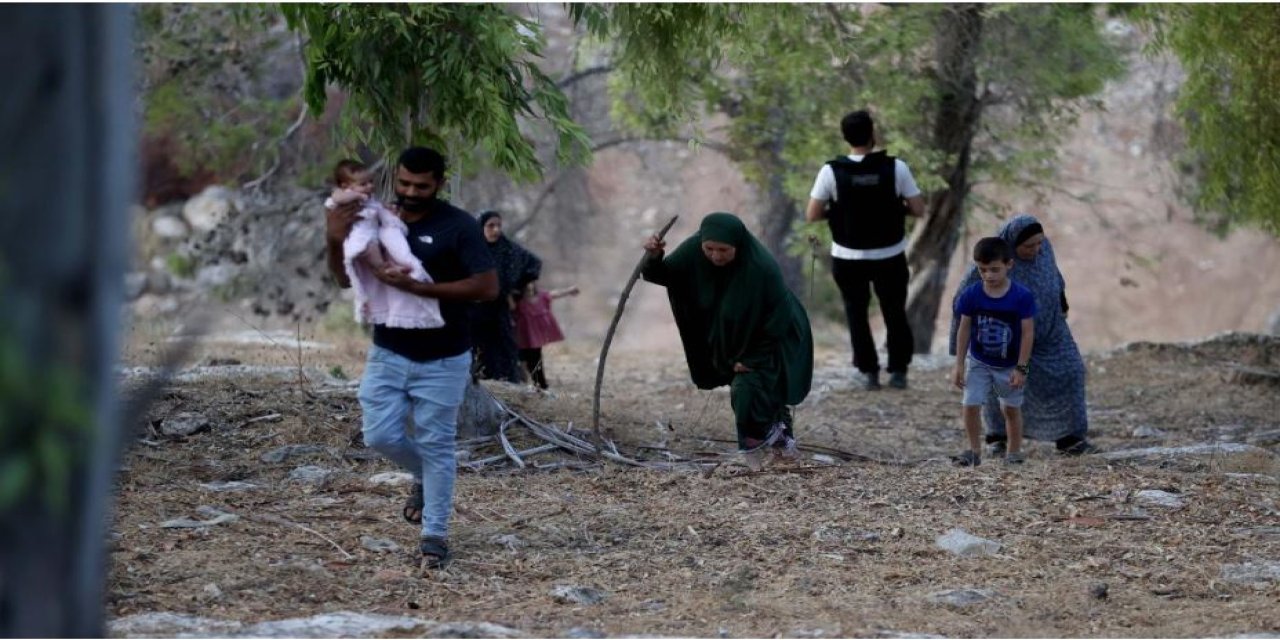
995	333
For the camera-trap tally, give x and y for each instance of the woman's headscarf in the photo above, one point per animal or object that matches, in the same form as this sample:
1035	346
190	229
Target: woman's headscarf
738	313
517	266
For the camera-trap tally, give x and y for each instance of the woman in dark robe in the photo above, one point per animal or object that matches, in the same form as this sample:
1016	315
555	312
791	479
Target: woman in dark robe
740	326
493	328
1054	407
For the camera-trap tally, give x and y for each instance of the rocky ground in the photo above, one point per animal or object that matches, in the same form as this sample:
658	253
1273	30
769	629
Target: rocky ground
247	507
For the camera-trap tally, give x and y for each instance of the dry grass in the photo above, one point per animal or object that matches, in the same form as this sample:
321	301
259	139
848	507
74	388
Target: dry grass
799	550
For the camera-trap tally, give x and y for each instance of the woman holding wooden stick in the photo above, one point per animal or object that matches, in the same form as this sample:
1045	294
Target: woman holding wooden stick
740	326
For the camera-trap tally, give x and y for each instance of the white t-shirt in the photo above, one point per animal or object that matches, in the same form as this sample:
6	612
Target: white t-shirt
824	189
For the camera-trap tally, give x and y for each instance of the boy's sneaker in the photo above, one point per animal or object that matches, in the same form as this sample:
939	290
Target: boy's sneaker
871	381
967	459
997	449
898	380
1014	458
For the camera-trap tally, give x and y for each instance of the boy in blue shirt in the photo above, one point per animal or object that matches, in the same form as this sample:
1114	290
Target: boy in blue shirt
997	328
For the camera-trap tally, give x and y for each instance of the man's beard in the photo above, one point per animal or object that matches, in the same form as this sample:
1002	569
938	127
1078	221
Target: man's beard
414	205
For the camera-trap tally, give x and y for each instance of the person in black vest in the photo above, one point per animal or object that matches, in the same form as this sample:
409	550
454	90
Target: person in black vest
865	198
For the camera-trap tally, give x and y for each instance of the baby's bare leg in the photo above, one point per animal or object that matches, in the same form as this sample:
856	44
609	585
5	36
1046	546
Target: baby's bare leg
373	257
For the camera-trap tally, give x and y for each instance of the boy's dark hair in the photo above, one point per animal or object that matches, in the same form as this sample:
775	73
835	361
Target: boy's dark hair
858	128
423	160
345	170
992	249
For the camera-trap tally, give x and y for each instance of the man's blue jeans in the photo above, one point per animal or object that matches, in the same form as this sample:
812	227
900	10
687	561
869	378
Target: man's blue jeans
394	388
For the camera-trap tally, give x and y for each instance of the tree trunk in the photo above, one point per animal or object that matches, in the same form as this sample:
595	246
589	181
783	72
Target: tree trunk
958	39
69	173
780	209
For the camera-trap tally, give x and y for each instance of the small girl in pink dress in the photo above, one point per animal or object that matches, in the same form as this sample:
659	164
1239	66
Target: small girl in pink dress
536	327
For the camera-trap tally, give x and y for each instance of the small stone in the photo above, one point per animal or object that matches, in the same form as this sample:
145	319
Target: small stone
572	594
1098	591
183	424
1251	573
135	284
216	275
211	591
224	487
1148	431
378	545
509	540
216	516
310	474
392	478
1157	498
962	543
961	597
580	632
169	227
210	209
823	458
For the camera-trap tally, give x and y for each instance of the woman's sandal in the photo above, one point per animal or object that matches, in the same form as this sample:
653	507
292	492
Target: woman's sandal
435	552
413	505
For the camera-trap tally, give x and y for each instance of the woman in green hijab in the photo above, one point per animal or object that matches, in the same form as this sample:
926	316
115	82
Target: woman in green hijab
740	326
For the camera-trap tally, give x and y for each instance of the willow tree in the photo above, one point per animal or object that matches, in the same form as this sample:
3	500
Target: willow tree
1231	55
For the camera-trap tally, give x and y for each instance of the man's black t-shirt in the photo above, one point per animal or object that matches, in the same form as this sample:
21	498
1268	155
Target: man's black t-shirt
451	246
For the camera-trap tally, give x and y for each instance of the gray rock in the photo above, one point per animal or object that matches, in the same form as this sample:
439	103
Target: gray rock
1148	431
1251	573
216	517
961	543
210	592
1157	498
228	487
508	540
169	227
310	474
280	454
170	625
474	630
392	478
1265	439
210	209
159	283
183	424
216	275
961	597
583	633
1099	591
135	284
1195	450
343	624
572	594
378	545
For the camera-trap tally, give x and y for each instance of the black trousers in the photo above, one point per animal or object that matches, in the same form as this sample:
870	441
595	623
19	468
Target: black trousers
532	359
889	277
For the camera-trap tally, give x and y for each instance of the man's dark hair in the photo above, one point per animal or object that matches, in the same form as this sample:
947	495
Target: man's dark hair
992	249
423	160
345	171
858	129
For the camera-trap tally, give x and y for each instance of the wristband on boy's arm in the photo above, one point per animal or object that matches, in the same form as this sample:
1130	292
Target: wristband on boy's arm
1024	369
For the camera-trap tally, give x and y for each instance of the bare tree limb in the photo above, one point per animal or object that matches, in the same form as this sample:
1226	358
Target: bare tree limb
613	326
578	76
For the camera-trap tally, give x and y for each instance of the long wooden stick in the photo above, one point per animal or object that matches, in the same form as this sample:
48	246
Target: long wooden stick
613	326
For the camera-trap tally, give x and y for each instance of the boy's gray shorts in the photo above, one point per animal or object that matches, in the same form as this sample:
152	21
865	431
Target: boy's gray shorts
980	379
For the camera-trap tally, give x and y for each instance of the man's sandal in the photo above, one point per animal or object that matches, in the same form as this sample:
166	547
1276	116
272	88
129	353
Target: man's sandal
435	552
413	505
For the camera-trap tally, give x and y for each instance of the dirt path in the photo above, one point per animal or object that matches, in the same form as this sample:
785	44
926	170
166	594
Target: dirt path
807	550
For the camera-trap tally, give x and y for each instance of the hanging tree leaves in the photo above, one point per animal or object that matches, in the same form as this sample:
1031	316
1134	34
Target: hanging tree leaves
436	74
1231	54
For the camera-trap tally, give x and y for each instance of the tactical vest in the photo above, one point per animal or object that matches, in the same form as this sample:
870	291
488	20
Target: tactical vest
867	212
